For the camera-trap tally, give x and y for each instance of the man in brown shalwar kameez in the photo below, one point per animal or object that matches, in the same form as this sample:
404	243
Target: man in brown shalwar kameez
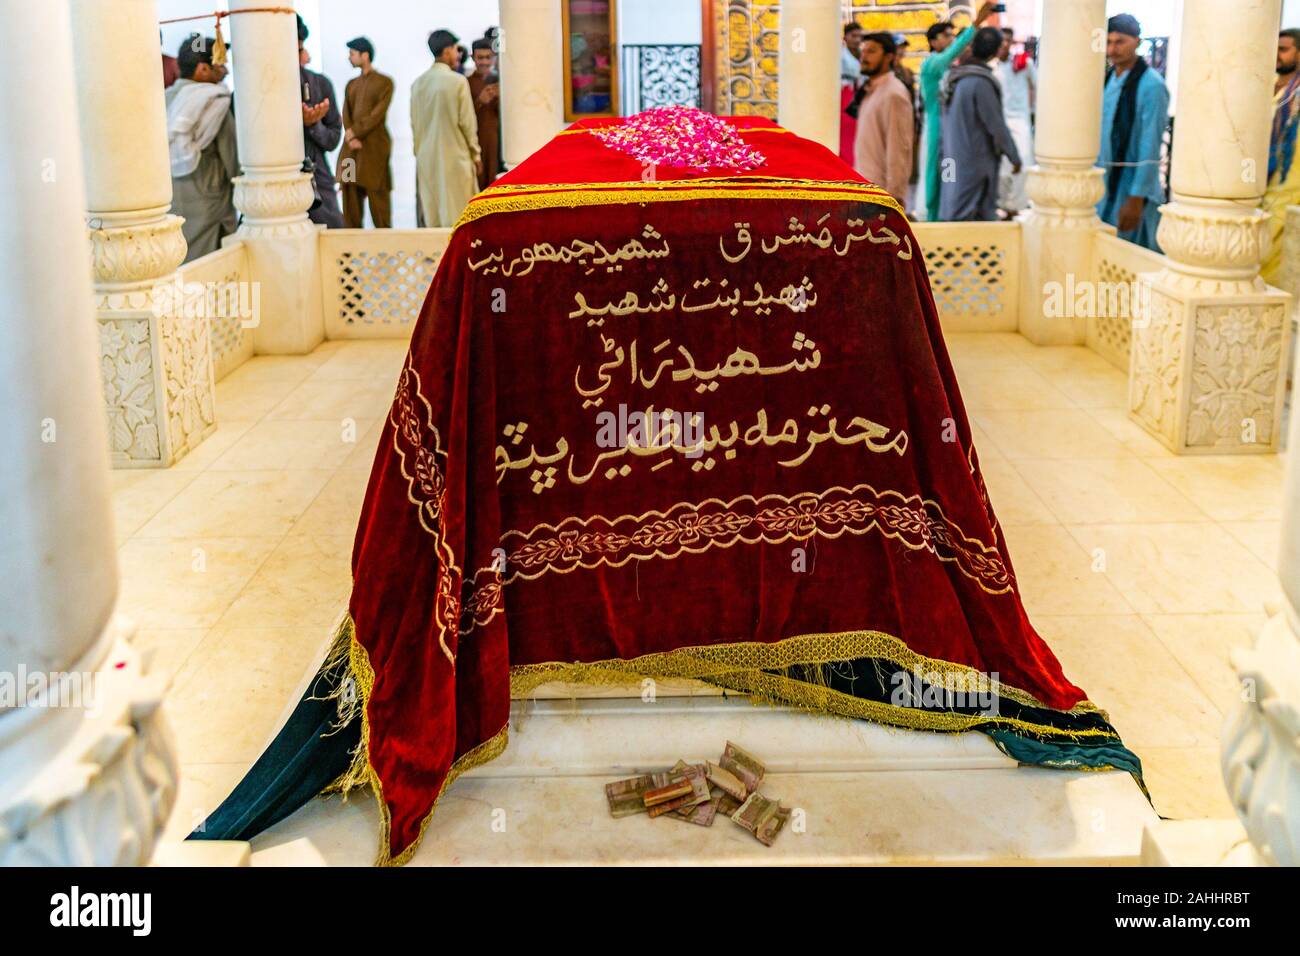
485	89
363	167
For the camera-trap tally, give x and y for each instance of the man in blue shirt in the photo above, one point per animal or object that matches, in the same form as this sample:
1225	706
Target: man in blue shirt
1134	115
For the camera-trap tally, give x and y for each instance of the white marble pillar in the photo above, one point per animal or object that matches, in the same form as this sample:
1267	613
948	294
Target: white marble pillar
1205	373
1064	182
273	194
1261	745
808	70
530	51
87	771
156	360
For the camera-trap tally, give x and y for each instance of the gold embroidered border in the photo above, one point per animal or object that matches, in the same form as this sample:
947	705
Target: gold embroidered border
738	666
696	527
426	476
520	198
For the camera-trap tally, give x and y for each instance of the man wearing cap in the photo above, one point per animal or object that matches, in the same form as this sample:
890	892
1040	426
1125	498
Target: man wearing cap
322	128
1134	115
201	147
363	171
448	159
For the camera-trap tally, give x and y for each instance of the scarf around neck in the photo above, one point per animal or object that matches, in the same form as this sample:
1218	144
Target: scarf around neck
1121	127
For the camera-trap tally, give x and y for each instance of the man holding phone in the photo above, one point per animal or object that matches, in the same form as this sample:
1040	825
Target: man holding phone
944	50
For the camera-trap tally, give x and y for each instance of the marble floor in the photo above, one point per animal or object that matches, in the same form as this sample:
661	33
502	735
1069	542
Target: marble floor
1142	569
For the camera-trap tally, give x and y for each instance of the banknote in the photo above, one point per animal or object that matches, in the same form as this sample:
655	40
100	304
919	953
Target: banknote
744	765
670	791
762	817
726	781
702	814
627	797
699	792
728	804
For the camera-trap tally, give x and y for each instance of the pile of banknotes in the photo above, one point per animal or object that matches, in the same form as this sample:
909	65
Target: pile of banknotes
698	792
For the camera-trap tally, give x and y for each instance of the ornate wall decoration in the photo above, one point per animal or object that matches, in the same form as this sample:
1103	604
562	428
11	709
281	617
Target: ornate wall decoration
746	39
186	351
1156	373
659	75
1236	362
127	369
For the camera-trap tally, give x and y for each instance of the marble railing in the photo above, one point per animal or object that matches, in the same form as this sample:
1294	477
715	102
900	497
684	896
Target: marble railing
373	281
1118	268
974	273
227	298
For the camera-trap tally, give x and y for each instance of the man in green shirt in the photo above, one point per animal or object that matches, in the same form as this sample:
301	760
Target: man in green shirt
944	49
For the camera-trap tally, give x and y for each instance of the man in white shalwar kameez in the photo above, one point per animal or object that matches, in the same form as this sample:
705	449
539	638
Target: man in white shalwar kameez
445	129
1019	79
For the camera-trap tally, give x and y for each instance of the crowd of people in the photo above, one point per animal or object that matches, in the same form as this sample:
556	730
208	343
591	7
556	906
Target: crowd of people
455	126
952	144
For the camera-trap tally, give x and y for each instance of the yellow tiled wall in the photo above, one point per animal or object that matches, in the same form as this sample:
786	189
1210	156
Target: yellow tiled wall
748	41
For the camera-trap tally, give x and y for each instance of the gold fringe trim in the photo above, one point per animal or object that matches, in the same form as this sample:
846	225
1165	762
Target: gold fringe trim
496	199
737	666
733	661
354	690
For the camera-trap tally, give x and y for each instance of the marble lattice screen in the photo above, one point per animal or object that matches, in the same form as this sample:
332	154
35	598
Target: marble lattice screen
746	37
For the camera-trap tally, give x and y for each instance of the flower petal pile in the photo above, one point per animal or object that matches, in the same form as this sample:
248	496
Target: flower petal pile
681	136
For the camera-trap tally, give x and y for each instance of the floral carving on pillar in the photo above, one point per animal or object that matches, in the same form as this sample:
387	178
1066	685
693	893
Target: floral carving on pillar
1223	240
273	200
186	349
127	369
128	254
1155	375
1236	362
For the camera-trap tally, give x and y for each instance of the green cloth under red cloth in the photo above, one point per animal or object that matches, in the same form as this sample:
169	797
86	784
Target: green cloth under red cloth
830	508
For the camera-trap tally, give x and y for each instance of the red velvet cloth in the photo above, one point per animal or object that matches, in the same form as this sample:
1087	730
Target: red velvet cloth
459	576
848	126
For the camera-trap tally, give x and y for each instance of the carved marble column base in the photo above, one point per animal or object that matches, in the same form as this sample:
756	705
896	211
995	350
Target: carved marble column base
1056	247
1261	743
1217	242
156	368
273	201
283	259
1207	369
89	785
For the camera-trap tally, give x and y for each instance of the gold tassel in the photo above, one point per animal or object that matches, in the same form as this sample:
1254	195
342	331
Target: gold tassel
219	47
